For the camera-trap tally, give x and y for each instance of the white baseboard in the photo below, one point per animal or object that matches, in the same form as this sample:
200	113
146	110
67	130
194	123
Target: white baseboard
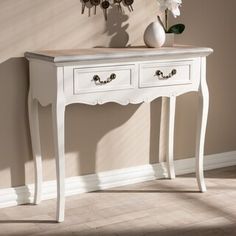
114	178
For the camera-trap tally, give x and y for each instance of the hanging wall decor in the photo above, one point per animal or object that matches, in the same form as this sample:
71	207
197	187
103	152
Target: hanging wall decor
105	5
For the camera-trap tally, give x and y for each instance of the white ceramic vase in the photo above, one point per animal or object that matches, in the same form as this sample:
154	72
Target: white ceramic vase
154	35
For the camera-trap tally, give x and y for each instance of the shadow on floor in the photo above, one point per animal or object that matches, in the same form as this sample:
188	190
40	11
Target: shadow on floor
228	230
28	222
146	191
227	173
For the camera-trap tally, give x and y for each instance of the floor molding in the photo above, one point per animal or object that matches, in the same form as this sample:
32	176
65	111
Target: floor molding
114	178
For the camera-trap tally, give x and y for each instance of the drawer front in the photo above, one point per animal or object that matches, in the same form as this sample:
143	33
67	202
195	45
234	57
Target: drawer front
100	79
166	73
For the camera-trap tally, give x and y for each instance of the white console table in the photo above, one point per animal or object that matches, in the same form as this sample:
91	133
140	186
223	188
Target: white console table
101	75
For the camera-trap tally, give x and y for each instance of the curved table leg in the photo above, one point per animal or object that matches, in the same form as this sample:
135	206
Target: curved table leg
163	127
201	126
58	116
36	147
170	137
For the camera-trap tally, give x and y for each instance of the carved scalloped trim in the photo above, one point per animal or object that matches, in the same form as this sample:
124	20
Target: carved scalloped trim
125	102
122	102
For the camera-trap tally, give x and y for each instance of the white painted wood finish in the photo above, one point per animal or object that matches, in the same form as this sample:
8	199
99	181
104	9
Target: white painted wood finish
148	77
58	120
64	77
202	124
83	79
170	137
36	145
58	114
163	128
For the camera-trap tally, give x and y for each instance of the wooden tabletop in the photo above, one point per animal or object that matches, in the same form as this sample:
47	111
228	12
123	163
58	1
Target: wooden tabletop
69	55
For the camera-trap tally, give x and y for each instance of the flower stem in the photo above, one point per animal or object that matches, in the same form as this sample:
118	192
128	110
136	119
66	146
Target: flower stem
159	18
166	20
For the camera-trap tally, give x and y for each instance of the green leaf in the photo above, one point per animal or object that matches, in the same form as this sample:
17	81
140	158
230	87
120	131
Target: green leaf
176	29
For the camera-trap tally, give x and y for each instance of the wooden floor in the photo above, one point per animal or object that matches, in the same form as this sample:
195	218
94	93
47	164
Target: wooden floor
161	207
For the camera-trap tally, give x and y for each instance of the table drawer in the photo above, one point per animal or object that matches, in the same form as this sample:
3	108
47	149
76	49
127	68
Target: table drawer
96	79
166	73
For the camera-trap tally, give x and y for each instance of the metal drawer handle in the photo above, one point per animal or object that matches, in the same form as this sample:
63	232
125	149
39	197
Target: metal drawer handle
98	80
161	76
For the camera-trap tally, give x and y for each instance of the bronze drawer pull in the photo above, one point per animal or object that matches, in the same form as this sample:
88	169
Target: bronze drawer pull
98	80
161	76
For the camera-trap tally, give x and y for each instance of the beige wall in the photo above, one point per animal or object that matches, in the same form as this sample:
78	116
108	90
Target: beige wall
111	136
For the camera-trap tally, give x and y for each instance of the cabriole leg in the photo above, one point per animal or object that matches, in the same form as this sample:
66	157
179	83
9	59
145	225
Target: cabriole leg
201	126
58	116
170	137
36	146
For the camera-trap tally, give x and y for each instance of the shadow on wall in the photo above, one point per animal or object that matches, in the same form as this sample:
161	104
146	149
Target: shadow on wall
84	128
14	133
155	121
15	146
116	27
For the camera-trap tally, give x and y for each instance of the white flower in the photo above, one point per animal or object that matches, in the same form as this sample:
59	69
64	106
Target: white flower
171	5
